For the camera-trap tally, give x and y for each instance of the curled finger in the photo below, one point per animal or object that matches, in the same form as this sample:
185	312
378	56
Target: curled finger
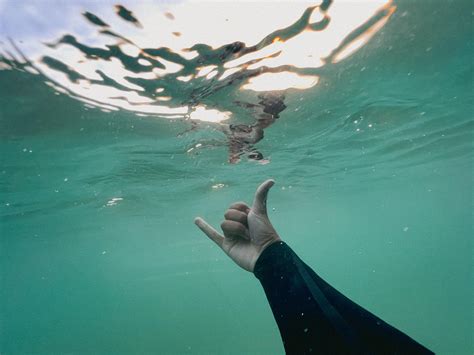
237	216
233	229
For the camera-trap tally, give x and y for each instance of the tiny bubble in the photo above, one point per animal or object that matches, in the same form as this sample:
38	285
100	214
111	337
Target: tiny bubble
66	179
305	330
405	229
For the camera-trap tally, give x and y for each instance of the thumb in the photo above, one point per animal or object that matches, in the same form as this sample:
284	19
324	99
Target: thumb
260	202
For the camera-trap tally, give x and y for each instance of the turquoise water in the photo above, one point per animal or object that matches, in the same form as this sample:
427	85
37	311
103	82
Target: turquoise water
373	170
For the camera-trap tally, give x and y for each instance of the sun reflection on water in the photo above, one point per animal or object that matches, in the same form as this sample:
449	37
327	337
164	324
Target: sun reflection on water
171	59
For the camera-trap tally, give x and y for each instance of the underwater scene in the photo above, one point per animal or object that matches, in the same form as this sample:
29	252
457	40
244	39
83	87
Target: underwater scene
122	121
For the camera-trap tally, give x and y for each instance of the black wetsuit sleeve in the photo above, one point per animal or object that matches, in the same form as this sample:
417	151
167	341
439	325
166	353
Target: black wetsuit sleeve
314	318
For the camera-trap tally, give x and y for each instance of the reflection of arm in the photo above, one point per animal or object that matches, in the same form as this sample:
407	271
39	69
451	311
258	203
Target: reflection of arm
313	317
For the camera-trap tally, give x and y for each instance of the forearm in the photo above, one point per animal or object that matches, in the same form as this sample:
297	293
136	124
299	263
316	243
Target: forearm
314	317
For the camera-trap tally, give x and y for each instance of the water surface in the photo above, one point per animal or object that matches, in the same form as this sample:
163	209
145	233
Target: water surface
114	137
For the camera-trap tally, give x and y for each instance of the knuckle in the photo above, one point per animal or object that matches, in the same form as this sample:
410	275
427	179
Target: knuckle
240	206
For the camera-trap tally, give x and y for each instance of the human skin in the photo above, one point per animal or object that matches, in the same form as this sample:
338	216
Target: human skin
247	231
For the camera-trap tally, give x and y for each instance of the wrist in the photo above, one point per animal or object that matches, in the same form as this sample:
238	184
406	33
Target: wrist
274	259
271	241
264	247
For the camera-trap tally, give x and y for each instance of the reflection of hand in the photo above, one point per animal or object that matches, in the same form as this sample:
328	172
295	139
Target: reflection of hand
247	231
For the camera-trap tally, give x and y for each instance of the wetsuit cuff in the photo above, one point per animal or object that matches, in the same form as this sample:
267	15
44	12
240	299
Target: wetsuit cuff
272	259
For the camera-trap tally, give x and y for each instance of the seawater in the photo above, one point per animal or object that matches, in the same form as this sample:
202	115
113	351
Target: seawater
373	170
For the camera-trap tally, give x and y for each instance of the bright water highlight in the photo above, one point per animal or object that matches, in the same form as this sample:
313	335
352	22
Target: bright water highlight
102	172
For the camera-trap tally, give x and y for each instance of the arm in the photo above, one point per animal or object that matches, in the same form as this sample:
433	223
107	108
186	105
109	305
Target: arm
312	316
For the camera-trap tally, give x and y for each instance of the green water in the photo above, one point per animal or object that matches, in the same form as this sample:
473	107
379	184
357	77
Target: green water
99	255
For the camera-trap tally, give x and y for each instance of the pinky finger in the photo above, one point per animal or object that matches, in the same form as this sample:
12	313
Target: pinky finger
214	235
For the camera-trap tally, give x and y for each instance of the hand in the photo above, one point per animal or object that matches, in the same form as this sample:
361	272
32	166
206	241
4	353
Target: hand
247	231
